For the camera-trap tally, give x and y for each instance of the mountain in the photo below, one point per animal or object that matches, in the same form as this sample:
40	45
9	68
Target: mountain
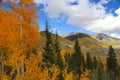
108	40
88	42
70	34
63	35
64	43
104	38
85	40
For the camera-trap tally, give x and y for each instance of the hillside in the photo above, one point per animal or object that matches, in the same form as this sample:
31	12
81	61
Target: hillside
64	43
85	40
108	40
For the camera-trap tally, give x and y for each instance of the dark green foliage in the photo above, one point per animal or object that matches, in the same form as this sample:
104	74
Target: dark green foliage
60	76
59	61
100	72
95	63
70	63
66	58
75	63
89	64
83	63
112	62
48	55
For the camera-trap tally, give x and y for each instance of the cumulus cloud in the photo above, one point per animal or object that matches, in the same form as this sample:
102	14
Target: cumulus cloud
88	15
108	24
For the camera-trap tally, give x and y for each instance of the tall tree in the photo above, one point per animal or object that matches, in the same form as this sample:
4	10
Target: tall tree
49	52
89	64
112	62
20	32
95	63
8	28
83	63
100	71
59	60
77	59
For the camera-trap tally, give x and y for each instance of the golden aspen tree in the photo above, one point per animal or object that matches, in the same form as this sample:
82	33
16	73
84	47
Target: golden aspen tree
28	28
8	37
19	33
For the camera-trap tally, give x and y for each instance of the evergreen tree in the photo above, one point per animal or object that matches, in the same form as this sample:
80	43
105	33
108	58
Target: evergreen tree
70	62
77	59
89	64
83	63
66	58
100	72
59	61
95	63
112	62
48	55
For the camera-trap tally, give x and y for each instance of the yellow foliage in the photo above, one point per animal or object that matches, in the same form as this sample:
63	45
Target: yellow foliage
85	75
4	77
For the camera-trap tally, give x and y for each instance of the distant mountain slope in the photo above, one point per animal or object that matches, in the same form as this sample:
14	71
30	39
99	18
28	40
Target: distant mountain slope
64	43
85	40
108	40
104	38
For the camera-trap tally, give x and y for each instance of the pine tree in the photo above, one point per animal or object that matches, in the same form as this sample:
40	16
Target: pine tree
100	71
77	59
95	63
66	58
48	55
83	63
89	64
112	62
59	61
70	63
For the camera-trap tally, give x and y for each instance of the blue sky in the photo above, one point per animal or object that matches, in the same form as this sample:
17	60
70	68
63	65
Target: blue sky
88	16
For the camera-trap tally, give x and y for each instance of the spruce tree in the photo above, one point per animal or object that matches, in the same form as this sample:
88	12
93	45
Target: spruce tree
66	58
95	63
100	71
112	62
49	53
89	64
83	63
59	61
70	63
77	59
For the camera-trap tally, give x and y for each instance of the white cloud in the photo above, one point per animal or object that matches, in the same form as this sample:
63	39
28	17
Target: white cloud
115	35
41	1
85	14
108	24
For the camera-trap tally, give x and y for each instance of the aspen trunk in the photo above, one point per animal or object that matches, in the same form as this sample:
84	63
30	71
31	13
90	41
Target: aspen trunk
21	35
2	64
